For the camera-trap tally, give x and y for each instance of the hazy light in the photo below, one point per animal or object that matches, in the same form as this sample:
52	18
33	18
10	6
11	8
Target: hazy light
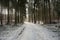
27	14
5	11
26	5
17	0
13	11
27	0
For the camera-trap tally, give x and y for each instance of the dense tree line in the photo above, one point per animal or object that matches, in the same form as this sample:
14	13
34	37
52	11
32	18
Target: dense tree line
44	10
38	10
18	6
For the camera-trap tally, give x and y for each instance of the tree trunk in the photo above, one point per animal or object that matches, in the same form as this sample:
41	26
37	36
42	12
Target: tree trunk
49	13
1	16
8	21
15	16
44	13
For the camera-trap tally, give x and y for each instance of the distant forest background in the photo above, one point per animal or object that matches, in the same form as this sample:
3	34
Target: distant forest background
35	11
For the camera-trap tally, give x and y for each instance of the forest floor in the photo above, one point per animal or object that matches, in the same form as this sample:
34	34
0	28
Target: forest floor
29	31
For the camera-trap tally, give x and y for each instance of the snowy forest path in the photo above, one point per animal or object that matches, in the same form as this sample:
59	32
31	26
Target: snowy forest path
36	32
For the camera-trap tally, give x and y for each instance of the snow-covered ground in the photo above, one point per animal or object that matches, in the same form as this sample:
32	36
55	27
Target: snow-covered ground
9	32
37	32
54	28
29	31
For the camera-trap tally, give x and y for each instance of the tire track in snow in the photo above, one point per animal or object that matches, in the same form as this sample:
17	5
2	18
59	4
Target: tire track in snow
21	32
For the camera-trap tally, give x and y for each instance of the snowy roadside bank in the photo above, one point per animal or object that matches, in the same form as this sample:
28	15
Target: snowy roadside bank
54	29
10	32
